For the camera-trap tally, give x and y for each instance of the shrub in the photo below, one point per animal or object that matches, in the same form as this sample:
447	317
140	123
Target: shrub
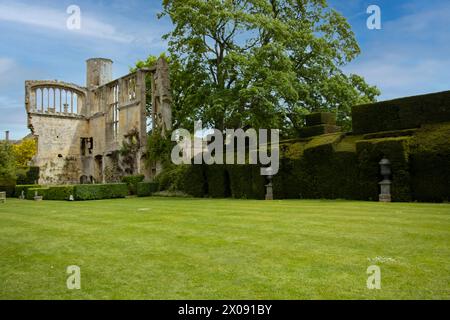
145	189
100	191
32	175
19	188
132	182
9	189
172	178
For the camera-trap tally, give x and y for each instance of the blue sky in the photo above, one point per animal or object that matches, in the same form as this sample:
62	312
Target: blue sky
409	55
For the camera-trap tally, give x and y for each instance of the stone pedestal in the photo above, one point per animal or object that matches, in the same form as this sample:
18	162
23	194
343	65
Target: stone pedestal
385	194
269	191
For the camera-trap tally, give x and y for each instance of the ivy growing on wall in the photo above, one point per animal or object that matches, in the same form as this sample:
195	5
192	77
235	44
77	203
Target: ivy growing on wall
129	151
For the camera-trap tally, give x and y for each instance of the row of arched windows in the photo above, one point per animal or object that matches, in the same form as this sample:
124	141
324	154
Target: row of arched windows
57	100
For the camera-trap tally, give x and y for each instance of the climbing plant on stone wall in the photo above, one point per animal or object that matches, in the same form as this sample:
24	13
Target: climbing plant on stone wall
129	151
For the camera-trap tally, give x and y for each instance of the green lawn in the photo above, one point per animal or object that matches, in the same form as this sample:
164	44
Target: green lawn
161	248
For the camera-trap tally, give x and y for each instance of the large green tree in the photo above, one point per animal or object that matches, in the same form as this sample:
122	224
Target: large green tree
261	63
7	164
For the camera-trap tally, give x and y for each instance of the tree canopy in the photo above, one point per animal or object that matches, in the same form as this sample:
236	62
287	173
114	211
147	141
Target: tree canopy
24	151
261	63
7	164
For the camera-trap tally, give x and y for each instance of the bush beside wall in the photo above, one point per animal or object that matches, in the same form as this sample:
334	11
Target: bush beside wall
27	175
8	188
146	189
132	182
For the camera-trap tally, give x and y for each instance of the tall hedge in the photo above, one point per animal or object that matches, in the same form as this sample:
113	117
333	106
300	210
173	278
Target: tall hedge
404	113
370	152
218	181
246	181
194	181
430	163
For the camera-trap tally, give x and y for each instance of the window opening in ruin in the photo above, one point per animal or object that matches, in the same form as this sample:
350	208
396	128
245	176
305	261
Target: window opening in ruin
87	145
114	111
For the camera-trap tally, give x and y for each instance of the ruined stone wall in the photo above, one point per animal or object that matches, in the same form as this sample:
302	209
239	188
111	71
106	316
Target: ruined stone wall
80	130
58	153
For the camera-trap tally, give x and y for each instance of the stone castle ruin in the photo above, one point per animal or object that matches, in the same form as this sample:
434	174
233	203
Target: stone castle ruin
80	131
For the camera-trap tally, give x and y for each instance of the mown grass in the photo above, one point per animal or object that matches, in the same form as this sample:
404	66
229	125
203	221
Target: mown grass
161	248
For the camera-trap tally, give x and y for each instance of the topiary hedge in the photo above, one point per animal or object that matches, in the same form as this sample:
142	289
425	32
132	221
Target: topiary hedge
338	166
319	173
404	113
100	191
319	118
218	181
430	163
317	130
145	189
246	181
132	182
370	152
194	181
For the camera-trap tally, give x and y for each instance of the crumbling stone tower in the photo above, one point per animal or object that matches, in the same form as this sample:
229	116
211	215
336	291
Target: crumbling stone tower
80	130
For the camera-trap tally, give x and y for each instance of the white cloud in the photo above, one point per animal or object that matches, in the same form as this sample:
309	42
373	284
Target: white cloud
396	77
49	18
410	56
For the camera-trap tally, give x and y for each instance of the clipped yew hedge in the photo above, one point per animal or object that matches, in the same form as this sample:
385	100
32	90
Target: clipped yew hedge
51	193
100	191
218	181
404	113
246	181
430	163
337	166
19	188
194	181
370	152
